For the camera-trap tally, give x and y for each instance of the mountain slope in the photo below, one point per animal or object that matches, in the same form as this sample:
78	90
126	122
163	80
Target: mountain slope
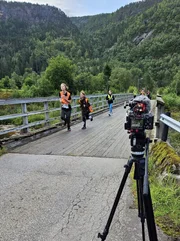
144	39
90	24
24	26
141	39
44	16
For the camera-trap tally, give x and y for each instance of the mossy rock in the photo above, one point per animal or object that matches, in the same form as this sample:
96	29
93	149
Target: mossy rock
164	158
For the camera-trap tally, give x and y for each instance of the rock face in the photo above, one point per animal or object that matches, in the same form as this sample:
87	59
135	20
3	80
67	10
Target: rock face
34	14
139	39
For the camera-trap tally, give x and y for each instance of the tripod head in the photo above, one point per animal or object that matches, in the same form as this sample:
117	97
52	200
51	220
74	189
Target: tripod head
138	141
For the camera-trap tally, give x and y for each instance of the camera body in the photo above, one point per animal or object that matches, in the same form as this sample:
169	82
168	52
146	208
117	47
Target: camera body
143	122
139	116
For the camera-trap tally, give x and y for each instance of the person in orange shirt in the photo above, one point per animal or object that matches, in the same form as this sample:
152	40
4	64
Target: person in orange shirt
143	92
65	100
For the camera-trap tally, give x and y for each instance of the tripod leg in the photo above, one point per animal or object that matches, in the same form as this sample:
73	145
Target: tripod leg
116	201
150	216
141	211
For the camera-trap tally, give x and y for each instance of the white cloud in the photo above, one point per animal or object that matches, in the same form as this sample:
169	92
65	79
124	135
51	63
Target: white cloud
70	7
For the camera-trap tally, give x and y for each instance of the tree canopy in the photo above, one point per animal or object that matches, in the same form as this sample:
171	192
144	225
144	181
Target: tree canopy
138	45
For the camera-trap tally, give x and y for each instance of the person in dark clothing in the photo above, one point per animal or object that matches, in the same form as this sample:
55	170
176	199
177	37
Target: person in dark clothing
110	98
148	94
65	100
85	108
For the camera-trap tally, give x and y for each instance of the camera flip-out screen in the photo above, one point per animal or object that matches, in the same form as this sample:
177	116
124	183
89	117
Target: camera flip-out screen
137	123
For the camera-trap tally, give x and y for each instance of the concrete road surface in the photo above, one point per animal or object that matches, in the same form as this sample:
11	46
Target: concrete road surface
60	198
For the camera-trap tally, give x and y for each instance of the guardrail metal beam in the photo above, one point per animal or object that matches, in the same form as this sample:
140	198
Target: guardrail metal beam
174	124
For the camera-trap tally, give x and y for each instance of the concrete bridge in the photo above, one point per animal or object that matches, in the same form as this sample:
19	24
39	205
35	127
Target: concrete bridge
62	187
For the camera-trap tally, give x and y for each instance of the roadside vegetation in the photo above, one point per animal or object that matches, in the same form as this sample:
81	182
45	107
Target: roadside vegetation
164	166
172	105
2	151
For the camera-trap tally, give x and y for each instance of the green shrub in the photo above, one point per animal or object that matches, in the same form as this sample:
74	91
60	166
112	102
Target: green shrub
34	118
172	101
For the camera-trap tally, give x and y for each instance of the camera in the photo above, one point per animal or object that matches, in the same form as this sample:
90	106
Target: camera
139	117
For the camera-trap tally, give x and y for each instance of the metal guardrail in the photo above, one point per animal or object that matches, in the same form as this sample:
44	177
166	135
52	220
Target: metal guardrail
174	124
164	121
159	110
98	102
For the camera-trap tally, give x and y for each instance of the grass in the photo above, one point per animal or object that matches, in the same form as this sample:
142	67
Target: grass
165	189
174	139
166	200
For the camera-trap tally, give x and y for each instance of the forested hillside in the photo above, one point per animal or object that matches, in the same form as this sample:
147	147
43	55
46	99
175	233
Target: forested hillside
90	24
26	35
141	35
136	46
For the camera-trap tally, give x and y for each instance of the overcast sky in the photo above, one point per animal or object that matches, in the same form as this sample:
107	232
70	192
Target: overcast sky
84	7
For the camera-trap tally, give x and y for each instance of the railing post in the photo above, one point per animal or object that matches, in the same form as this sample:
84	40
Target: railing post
99	99
165	129
116	97
25	118
102	99
75	103
105	105
160	110
46	108
91	101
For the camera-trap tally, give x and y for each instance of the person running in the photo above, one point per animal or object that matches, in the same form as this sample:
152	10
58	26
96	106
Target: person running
85	108
65	100
149	94
142	92
110	99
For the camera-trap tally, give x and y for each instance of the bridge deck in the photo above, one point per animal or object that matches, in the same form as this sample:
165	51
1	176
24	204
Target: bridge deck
104	137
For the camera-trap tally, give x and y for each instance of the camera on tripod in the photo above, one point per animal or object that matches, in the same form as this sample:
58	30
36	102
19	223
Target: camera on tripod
138	119
138	116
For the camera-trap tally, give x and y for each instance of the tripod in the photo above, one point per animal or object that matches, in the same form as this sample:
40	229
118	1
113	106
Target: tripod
140	146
